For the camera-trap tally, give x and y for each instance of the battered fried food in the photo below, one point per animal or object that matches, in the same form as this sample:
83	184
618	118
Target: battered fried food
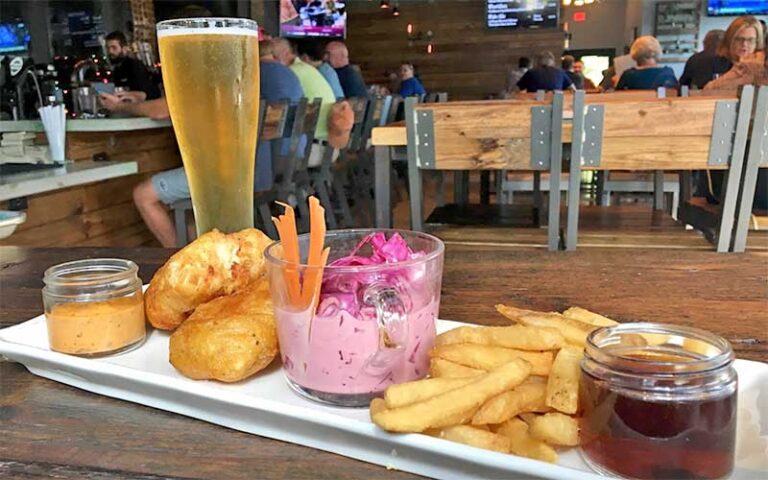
212	266
227	339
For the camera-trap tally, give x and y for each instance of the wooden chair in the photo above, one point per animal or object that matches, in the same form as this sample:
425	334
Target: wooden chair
756	158
286	154
495	135
682	134
345	174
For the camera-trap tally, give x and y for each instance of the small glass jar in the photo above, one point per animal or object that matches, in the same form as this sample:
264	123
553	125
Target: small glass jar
94	307
658	401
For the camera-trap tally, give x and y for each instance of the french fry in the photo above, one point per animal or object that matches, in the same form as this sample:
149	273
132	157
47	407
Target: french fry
521	442
555	429
574	331
528	397
563	383
513	313
474	436
412	392
439	367
434	412
377	405
520	337
487	357
592	318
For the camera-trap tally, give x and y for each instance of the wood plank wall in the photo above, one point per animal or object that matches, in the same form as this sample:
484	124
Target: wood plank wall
469	60
102	213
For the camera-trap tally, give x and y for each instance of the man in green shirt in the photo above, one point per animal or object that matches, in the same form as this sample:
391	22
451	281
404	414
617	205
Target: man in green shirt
314	85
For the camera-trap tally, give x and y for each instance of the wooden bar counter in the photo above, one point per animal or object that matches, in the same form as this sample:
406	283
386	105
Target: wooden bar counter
97	208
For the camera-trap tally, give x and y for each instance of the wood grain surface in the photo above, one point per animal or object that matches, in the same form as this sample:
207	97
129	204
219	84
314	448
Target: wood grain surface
55	431
470	61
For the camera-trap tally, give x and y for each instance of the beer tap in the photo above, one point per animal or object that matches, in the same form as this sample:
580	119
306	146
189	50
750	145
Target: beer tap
29	71
78	71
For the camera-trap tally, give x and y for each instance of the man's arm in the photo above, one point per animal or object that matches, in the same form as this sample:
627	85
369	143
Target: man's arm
156	109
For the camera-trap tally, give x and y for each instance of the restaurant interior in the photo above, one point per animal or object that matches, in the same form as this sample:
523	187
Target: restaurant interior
384	239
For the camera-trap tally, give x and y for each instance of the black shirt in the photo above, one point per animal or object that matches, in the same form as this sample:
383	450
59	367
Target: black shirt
702	67
351	82
544	78
131	73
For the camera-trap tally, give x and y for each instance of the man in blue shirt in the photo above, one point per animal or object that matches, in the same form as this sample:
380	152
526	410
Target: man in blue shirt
545	76
409	85
350	78
277	83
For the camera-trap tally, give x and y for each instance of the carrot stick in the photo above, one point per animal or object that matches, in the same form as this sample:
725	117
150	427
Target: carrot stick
286	227
314	258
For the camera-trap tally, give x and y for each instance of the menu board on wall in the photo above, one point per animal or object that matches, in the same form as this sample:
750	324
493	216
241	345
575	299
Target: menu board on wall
522	13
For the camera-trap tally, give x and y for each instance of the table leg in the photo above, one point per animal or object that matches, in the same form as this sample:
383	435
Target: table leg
383	187
485	187
658	190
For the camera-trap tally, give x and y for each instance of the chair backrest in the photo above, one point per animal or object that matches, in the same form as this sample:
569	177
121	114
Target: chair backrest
436	97
274	120
311	117
514	135
285	150
359	108
660	134
395	106
375	115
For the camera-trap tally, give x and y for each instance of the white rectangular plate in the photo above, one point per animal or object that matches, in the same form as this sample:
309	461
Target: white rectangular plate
265	405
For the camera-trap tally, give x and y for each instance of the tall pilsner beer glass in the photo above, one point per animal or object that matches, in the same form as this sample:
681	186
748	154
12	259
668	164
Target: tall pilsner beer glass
211	77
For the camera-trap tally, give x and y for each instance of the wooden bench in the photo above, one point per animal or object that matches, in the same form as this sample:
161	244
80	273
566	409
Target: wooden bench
674	134
497	135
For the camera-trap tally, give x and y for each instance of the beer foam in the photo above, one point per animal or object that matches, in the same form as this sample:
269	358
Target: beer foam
168	32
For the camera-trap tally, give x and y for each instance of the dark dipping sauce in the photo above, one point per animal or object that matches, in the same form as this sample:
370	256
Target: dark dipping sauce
637	425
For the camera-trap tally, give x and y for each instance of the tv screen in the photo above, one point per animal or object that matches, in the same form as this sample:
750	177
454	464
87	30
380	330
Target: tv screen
313	18
14	37
522	13
737	7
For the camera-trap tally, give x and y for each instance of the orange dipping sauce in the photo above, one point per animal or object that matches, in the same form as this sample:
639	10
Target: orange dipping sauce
93	328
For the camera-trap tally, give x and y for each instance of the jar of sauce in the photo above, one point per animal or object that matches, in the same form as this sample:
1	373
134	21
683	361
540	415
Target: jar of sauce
94	307
658	402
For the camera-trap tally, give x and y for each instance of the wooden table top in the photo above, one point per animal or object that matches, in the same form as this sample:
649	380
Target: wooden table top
49	429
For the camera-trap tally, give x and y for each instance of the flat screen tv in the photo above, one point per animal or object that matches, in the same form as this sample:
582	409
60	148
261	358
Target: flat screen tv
313	18
522	14
14	37
737	7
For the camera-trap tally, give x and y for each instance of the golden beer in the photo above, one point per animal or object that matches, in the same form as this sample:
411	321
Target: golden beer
211	78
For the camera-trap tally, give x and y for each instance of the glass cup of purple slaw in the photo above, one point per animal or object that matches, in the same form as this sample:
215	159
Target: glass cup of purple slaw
374	322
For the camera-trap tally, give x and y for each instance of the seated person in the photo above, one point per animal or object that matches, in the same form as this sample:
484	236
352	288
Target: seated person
646	51
314	86
707	64
753	71
569	67
409	84
349	76
152	196
311	52
544	76
127	71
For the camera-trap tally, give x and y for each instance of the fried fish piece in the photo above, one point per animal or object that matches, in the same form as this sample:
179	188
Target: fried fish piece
229	338
212	266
